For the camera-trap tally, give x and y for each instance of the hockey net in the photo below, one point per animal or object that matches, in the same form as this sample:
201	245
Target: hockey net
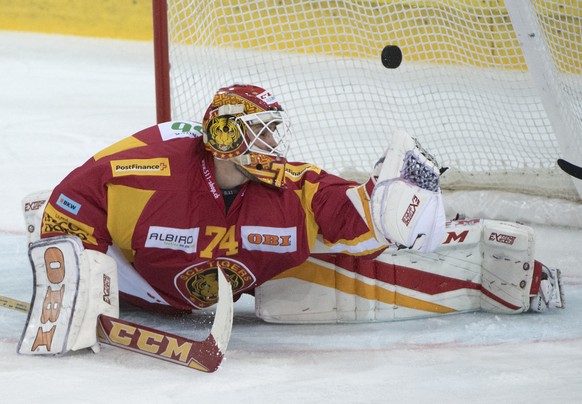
497	117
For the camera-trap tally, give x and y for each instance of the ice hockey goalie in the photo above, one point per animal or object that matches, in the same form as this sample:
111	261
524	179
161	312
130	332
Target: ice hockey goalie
428	268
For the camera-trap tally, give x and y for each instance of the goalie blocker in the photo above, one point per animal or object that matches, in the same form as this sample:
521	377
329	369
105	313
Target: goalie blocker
480	265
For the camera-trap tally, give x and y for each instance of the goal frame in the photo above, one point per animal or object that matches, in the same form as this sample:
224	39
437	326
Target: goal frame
164	105
161	60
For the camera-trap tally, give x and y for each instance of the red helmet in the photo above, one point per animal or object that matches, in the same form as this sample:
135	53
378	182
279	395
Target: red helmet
247	124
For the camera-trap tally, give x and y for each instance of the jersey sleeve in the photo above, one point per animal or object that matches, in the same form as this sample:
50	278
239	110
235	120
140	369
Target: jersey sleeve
78	207
339	210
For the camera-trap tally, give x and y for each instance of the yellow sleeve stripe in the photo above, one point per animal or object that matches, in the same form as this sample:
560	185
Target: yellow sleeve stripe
305	198
366	205
125	205
125	144
365	243
320	275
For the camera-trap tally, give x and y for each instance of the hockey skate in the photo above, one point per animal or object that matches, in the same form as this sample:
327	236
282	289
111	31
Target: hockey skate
551	293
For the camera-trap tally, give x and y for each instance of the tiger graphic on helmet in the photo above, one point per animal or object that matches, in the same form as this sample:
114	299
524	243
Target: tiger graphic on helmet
226	138
246	124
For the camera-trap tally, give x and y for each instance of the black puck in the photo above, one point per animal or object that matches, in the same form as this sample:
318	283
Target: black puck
391	56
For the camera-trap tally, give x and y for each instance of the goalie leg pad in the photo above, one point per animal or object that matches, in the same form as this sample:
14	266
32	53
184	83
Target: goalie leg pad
72	286
508	267
482	265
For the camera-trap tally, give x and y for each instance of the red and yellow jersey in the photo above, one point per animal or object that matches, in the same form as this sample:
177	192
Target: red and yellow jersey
154	196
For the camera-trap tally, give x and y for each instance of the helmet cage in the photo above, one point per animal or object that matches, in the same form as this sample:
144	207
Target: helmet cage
265	132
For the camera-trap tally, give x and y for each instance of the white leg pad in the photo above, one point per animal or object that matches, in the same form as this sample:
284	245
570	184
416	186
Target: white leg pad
481	265
72	287
508	267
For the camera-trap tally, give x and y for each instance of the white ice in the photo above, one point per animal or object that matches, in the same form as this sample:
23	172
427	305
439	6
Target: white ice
64	98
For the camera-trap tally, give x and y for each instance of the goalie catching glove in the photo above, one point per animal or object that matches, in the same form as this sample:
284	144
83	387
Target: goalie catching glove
407	205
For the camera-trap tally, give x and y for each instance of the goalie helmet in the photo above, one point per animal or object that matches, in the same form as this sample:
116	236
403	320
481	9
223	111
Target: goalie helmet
246	124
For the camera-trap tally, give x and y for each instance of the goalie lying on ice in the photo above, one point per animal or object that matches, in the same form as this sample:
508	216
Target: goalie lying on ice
176	200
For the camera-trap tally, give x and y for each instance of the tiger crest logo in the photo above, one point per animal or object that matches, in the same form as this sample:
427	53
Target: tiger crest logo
224	135
199	283
204	286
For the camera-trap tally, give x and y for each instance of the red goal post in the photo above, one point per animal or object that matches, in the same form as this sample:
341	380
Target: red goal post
465	87
161	60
